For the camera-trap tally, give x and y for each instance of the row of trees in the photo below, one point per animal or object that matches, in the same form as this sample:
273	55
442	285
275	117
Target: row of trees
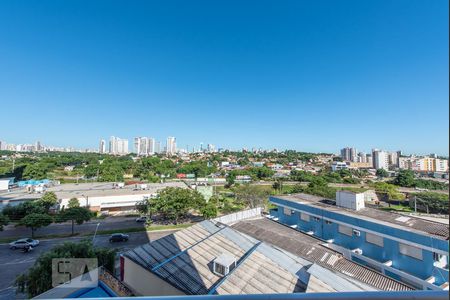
36	214
406	178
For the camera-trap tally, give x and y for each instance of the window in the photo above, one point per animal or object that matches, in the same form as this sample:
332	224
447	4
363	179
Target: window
345	230
410	251
287	211
374	239
328	222
304	217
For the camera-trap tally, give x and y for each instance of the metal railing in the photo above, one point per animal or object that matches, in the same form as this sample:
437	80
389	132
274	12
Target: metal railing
412	295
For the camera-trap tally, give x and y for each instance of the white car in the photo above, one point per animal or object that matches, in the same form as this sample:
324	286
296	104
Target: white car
19	244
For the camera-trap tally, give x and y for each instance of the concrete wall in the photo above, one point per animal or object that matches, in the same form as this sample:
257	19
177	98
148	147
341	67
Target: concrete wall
144	283
4	185
326	224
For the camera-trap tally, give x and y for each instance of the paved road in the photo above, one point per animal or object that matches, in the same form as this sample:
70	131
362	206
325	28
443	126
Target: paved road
15	262
110	223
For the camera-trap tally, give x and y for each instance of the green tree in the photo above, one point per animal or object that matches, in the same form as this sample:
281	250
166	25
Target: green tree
35	171
3	221
389	189
35	221
77	215
382	173
48	200
278	186
174	203
434	202
73	202
38	279
262	172
251	195
209	210
91	170
405	178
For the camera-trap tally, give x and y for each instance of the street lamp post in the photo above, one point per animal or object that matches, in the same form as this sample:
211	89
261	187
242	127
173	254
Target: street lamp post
95	233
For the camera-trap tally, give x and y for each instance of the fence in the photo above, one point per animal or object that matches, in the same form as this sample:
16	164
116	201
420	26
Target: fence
241	215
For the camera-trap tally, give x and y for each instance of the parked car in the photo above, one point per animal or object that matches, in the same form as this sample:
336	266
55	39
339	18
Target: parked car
118	237
141	219
23	243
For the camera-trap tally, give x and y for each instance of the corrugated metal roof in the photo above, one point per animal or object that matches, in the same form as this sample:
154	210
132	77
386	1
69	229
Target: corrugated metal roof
310	249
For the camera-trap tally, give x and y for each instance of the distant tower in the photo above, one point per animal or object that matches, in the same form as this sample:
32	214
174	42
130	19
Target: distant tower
171	145
102	147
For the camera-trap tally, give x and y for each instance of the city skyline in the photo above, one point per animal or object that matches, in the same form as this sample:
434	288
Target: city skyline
160	146
282	76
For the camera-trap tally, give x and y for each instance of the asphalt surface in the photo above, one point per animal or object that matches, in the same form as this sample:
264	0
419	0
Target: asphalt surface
15	262
110	223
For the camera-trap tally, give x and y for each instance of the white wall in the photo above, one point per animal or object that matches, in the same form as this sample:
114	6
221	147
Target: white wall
4	185
350	200
144	283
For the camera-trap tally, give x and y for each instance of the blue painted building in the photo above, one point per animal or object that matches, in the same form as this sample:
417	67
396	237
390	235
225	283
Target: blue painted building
409	249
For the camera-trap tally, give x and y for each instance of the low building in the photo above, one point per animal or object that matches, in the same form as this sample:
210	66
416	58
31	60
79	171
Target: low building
250	256
412	250
338	165
6	183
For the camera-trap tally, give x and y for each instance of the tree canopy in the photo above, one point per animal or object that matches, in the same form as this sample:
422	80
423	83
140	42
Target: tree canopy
35	221
38	279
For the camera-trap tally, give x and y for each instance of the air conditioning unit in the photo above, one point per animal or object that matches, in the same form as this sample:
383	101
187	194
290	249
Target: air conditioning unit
224	264
357	251
356	232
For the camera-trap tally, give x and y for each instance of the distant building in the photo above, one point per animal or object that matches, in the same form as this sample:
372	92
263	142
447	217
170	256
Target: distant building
171	146
38	146
349	154
211	148
141	146
424	164
338	165
360	165
380	159
151	149
102	147
157	147
118	146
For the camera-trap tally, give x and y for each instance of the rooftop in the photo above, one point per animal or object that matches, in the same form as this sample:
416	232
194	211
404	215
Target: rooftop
419	225
271	258
311	249
96	189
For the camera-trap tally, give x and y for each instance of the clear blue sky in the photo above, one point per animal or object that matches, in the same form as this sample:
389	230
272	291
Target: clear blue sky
306	75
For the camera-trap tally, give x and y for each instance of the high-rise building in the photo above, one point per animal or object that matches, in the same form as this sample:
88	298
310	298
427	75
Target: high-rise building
211	148
118	146
141	146
380	159
102	147
157	147
171	145
349	154
151	146
393	159
38	146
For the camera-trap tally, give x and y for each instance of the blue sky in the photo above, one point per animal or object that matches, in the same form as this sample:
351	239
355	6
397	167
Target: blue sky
306	75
